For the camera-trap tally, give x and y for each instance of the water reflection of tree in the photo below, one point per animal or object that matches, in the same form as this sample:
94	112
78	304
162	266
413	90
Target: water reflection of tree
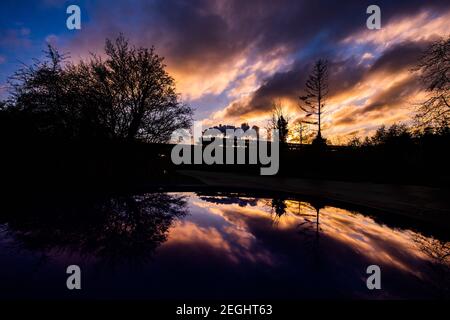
279	206
310	229
112	229
277	209
438	253
311	221
228	198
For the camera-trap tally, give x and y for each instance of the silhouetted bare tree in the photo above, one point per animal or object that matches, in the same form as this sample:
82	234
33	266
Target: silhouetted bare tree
41	92
316	91
279	121
434	68
127	95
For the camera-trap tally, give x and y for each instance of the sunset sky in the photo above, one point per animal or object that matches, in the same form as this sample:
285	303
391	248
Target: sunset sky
231	59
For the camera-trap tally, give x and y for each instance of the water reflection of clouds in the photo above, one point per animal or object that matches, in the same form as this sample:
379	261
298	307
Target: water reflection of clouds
243	227
228	240
240	246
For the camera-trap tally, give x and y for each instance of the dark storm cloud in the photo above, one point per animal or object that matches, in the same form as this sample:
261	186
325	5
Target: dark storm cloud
347	119
207	32
385	101
343	76
218	30
280	85
193	31
397	93
205	37
399	57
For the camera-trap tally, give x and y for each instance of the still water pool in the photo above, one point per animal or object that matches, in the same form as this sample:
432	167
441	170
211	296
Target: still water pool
213	245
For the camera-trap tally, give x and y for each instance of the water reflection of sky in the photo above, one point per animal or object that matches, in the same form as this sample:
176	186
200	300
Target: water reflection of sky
224	245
